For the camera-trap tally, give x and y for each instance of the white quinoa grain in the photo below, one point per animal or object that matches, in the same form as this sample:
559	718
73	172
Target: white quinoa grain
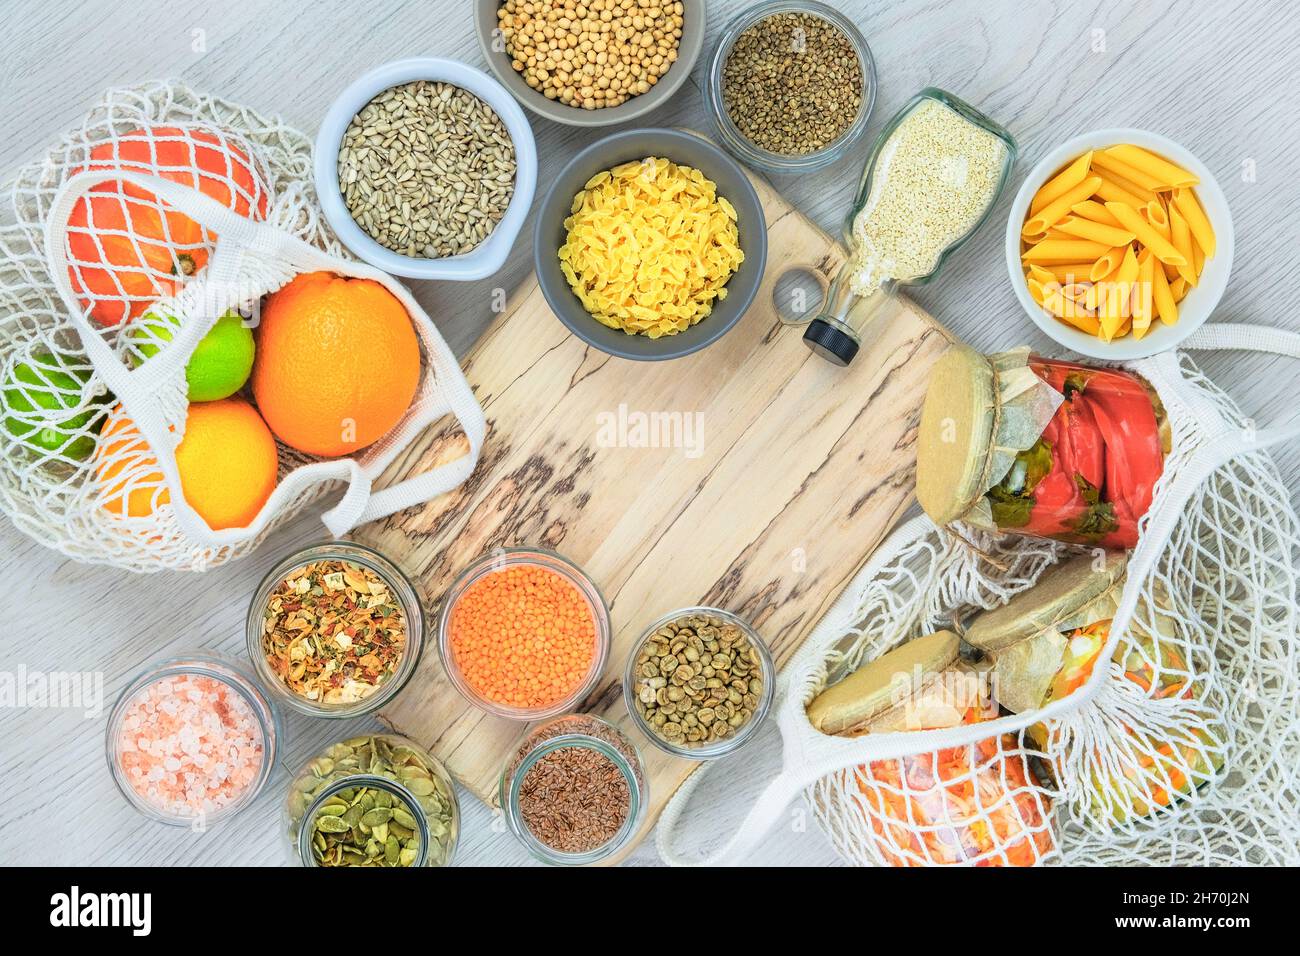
934	178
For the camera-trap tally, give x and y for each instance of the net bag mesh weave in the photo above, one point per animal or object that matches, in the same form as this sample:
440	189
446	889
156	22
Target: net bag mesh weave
1181	748
90	432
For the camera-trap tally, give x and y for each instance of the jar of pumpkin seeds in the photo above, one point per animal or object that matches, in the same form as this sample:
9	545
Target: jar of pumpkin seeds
377	800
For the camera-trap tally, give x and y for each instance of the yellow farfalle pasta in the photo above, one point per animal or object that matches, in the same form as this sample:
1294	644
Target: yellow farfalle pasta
650	246
1135	219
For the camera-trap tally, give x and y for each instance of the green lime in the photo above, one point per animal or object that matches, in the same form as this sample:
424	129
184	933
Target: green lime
47	384
221	362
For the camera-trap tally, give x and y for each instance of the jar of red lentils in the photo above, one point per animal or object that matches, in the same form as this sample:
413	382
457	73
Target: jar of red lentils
192	740
523	633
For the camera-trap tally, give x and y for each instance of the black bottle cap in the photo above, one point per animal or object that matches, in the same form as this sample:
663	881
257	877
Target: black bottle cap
830	343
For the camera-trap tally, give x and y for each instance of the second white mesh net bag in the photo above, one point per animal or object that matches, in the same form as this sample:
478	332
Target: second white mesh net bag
1122	771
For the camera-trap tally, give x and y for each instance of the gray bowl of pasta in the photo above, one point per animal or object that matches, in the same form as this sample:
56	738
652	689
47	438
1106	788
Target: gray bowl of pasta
652	291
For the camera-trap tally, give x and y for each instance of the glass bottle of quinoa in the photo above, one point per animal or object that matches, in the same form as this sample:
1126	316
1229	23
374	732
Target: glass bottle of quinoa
1022	444
929	182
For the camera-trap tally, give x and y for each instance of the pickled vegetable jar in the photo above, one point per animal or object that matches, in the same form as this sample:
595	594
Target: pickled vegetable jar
1152	769
1028	445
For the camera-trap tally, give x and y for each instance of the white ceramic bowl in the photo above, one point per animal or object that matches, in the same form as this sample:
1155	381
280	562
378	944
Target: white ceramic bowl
1198	303
489	255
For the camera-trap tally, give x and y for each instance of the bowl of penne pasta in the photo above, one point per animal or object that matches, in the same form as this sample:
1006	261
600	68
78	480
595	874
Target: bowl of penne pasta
1119	243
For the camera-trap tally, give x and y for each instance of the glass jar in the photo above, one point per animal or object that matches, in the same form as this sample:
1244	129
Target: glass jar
602	745
185	717
395	801
1022	444
706	749
929	182
400	589
749	153
503	560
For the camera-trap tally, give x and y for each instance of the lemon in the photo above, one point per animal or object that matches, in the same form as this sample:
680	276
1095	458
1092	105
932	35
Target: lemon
221	363
45	383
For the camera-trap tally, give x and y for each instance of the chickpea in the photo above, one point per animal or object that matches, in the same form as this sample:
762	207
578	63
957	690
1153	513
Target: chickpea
591	53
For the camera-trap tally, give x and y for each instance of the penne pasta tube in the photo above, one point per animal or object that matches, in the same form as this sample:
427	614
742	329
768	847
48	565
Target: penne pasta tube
1146	233
1040	273
1064	250
1154	213
1126	282
1057	233
1185	202
1095	211
1162	299
1069	272
1109	192
1107	160
1108	314
1144	196
1097	232
1043	291
1181	236
1178	288
1142	299
1083	321
1166	173
1059	208
1106	264
1071	176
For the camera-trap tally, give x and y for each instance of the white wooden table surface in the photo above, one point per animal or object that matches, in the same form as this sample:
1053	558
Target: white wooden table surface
1219	77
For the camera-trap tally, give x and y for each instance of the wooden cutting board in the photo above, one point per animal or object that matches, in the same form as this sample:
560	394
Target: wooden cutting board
796	472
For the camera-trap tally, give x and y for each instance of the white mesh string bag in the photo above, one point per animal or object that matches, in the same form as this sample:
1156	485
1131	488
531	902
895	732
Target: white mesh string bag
1196	763
186	206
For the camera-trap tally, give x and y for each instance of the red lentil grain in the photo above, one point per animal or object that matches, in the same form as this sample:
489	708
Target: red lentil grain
523	636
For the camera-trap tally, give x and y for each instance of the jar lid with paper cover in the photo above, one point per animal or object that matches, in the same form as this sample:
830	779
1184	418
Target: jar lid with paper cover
922	684
1029	638
1016	443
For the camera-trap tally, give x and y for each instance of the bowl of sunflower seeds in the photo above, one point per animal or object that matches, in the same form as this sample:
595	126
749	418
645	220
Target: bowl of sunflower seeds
426	168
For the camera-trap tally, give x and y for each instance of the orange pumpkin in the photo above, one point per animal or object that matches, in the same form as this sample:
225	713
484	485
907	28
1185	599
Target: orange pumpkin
126	250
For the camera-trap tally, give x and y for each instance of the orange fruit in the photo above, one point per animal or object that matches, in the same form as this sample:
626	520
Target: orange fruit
227	463
338	363
126	469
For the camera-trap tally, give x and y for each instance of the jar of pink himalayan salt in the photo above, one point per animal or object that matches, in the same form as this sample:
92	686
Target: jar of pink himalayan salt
192	740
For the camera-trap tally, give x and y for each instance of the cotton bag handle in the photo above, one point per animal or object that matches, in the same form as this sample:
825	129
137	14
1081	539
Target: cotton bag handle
277	256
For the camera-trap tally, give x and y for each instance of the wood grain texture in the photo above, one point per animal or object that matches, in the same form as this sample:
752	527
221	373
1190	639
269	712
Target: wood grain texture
1217	77
792	471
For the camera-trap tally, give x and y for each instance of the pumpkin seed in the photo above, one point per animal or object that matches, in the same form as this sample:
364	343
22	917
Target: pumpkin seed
372	825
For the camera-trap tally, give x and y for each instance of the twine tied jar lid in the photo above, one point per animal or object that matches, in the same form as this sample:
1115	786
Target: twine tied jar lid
980	412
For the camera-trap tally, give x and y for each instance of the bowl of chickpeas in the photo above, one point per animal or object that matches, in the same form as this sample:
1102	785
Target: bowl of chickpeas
591	62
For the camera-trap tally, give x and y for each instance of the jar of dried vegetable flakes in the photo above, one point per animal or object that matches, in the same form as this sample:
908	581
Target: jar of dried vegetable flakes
574	791
374	800
335	630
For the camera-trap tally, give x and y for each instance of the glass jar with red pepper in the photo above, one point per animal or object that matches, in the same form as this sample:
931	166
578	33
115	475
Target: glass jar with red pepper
1028	445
